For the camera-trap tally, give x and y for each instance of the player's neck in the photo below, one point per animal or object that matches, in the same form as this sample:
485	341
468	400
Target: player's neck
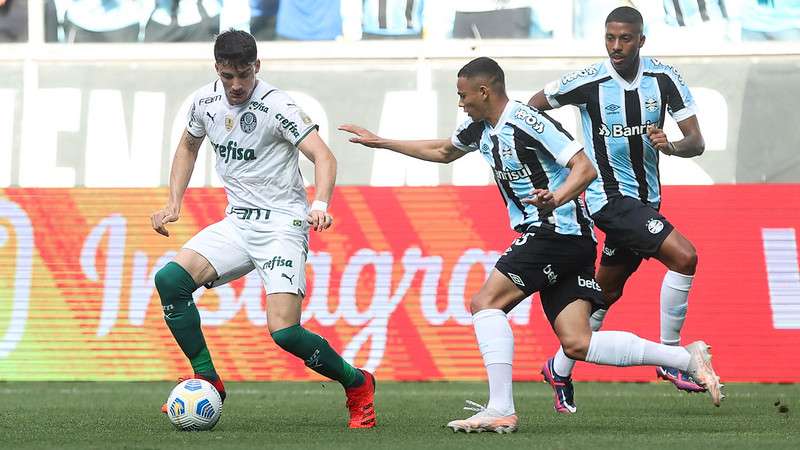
496	111
630	73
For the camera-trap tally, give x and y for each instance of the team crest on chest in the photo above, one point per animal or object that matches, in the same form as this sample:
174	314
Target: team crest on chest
248	122
651	104
228	122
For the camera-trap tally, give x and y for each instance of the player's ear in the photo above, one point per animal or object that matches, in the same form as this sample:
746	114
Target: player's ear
257	66
641	41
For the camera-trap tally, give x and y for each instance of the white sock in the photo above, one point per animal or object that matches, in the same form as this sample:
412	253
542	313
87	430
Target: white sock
620	348
496	342
562	364
674	301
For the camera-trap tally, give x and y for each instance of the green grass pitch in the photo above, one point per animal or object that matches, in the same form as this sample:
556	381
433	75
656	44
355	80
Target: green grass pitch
117	415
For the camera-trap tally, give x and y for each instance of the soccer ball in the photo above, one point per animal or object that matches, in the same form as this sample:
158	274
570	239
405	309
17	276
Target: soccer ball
194	405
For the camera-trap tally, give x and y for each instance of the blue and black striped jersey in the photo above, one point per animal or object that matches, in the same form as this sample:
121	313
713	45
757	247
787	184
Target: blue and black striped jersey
527	150
615	116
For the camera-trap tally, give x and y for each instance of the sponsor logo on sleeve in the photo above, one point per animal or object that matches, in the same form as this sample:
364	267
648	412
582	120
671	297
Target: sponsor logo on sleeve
287	125
526	115
572	76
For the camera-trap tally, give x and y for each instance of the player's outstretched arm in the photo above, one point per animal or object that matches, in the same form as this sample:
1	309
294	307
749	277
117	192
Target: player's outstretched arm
539	101
581	173
318	152
182	168
435	150
691	145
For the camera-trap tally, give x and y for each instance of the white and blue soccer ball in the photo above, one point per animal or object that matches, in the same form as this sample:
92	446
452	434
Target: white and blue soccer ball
194	405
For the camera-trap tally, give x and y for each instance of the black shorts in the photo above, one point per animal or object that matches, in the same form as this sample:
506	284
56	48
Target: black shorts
559	267
633	231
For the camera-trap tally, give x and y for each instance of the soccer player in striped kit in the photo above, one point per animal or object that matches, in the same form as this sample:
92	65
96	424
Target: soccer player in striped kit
540	172
623	103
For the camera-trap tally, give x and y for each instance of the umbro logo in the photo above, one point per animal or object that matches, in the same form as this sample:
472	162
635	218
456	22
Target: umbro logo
516	279
612	108
291	279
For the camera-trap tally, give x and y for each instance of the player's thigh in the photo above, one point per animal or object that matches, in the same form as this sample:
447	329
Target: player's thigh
498	292
631	226
572	328
677	253
283	310
280	258
218	253
575	286
612	279
524	268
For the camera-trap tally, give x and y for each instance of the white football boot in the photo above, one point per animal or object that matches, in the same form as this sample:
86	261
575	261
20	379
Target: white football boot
700	369
484	419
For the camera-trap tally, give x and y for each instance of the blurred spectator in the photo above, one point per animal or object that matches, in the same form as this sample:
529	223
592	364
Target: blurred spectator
13	20
309	20
504	19
183	21
102	20
383	19
689	21
771	20
262	19
589	17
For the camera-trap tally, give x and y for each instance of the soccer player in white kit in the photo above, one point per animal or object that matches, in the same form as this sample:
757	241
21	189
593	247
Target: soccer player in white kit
256	131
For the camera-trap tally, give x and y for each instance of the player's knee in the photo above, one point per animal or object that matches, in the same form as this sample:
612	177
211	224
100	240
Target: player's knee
479	303
167	285
576	346
687	261
288	338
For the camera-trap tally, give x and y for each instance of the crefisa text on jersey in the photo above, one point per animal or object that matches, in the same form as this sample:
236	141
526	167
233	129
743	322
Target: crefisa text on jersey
258	106
233	151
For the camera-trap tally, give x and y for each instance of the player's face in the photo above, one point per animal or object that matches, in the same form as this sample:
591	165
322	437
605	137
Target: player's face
623	41
472	96
238	81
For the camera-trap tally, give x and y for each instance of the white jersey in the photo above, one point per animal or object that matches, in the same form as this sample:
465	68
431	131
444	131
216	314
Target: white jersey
255	145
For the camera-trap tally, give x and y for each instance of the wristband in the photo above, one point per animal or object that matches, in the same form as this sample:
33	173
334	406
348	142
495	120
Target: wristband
319	205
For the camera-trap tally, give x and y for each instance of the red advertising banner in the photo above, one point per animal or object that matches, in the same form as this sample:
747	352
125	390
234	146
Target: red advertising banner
388	286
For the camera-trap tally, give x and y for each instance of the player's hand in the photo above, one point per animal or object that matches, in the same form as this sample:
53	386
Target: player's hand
161	218
363	136
542	199
659	140
319	220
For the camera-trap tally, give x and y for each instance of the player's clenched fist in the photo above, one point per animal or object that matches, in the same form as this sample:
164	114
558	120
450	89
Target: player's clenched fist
659	140
161	218
319	220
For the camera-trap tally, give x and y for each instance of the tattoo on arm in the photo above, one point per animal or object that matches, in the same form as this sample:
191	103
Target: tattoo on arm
192	143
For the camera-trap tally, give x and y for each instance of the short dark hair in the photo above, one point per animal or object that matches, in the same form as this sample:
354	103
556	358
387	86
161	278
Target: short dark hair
235	48
626	14
484	67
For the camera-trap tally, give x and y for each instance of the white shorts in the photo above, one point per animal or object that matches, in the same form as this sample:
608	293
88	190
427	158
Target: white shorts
235	247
